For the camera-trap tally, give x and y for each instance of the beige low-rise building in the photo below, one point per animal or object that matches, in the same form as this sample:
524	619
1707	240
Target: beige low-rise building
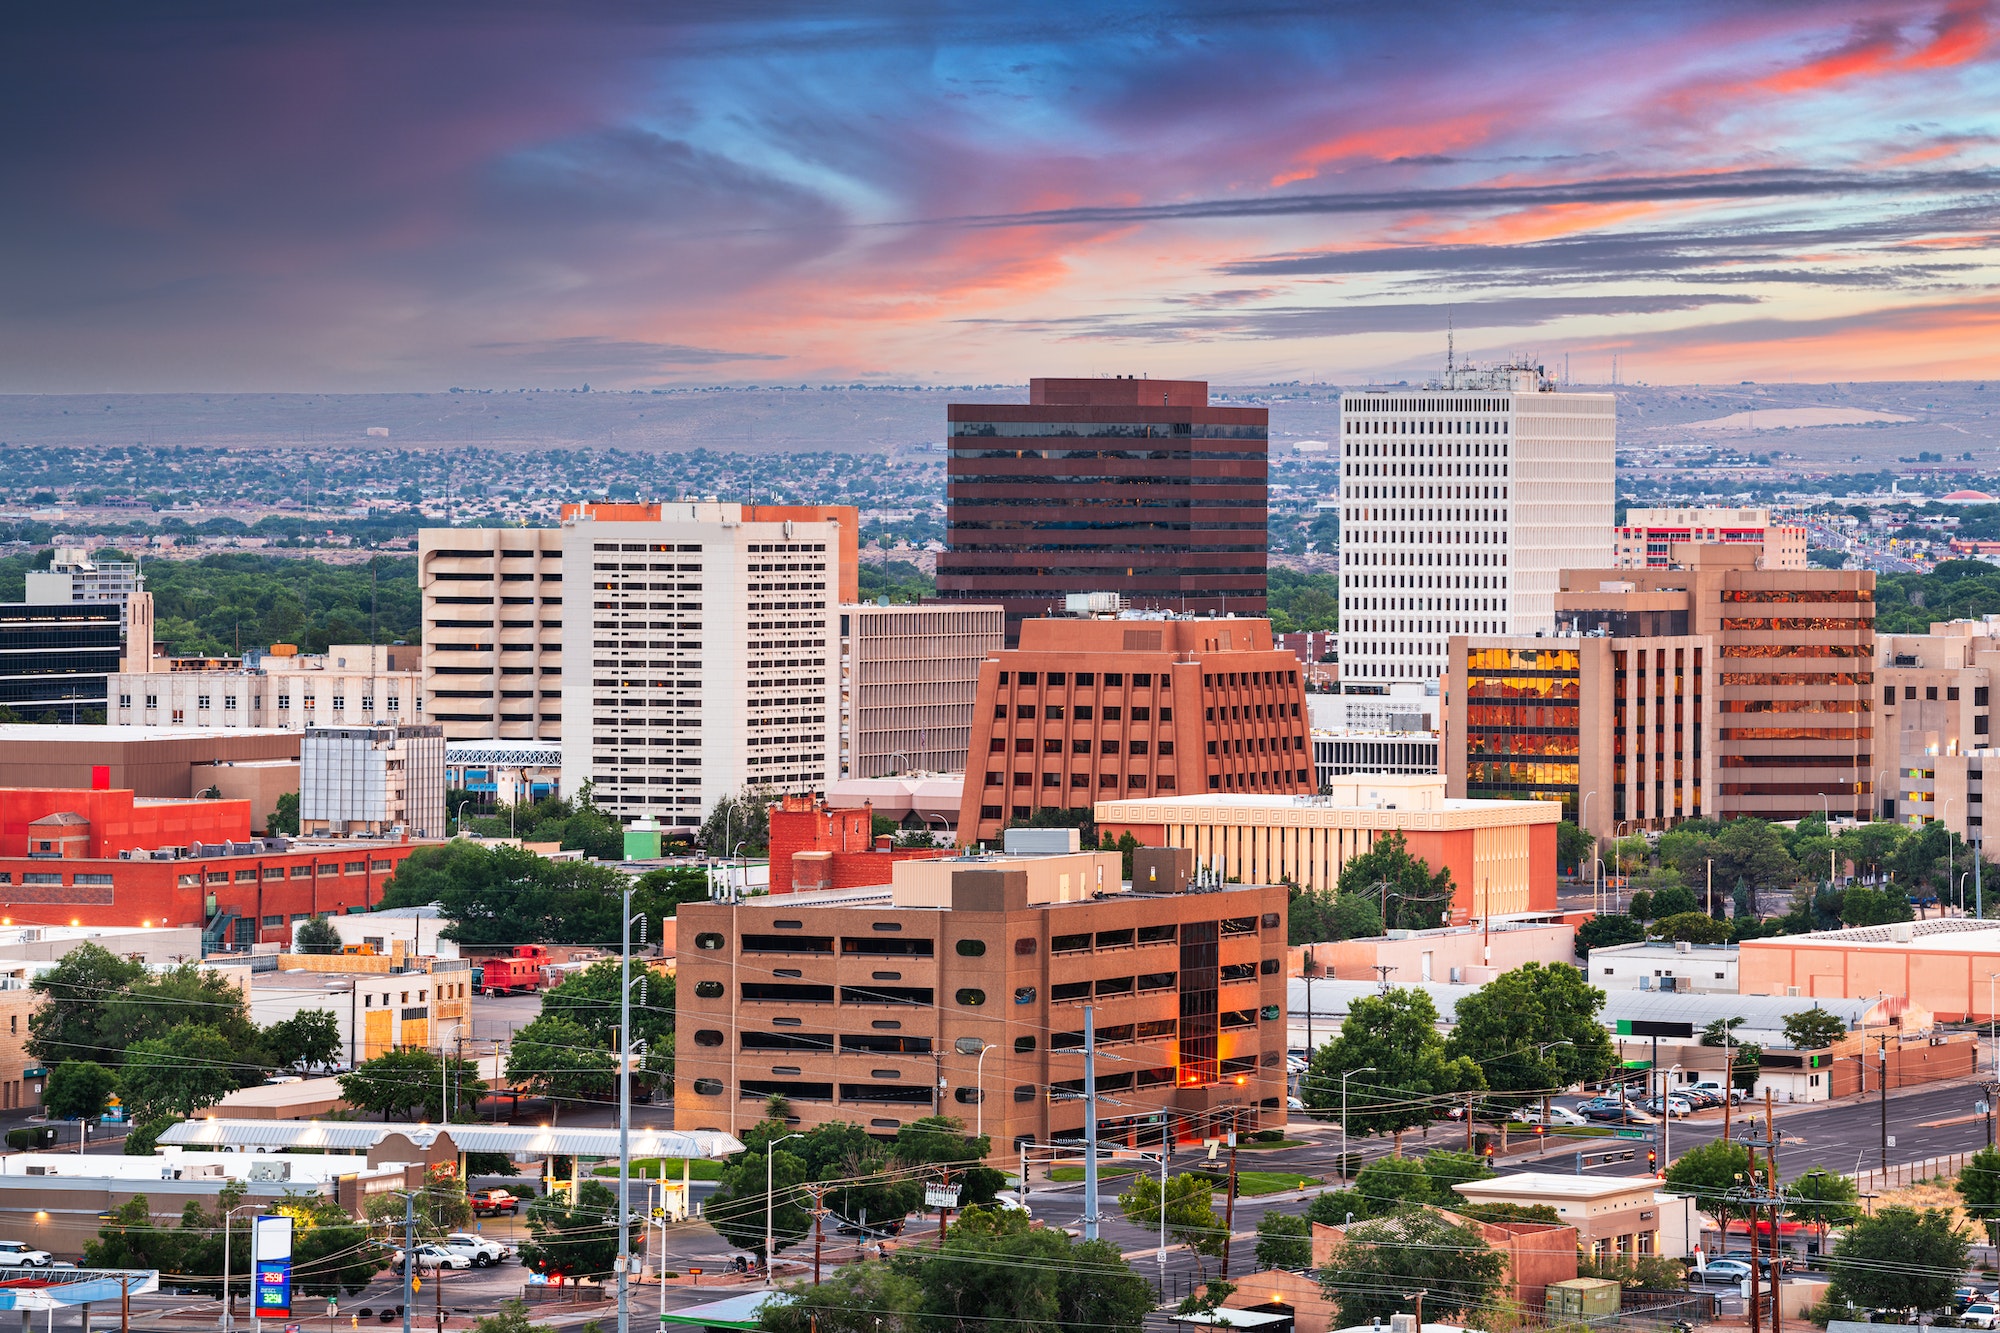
1501	854
377	1010
1615	1216
282	688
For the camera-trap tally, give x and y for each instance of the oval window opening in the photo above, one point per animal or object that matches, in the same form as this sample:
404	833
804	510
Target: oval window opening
971	998
708	990
708	1087
709	940
972	948
708	1037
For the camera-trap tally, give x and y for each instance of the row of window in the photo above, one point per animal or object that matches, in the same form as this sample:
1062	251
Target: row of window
230	702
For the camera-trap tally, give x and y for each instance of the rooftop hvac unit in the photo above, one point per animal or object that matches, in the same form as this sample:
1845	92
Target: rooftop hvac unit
276	1169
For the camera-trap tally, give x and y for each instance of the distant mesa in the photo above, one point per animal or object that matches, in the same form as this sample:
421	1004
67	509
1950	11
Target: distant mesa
1967	498
1796	418
378	432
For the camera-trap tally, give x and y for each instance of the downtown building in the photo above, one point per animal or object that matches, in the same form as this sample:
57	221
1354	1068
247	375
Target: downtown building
1460	506
1128	486
909	674
840	1001
1090	709
1647	537
1714	688
1936	693
347	685
702	645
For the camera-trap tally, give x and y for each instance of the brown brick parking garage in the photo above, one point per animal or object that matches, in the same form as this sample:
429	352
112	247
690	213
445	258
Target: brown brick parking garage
874	1006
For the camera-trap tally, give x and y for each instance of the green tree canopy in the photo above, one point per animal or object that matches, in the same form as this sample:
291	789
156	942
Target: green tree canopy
1401	887
1191	1218
1711	1172
411	1085
858	1298
1534	1030
1573	846
152	1005
997	1269
1318	917
1693	927
556	1057
1978	1187
190	1067
941	1140
742	820
573	1239
1674	900
309	1039
1284	1240
1378	1263
1823	1198
1411	1077
1606	930
1861	905
70	1022
78	1090
737	1208
1811	1029
497	895
1898	1259
317	936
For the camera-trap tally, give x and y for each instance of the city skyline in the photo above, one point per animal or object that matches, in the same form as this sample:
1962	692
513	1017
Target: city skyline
371	199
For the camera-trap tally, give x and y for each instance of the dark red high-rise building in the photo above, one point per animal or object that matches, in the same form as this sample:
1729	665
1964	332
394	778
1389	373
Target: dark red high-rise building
1131	486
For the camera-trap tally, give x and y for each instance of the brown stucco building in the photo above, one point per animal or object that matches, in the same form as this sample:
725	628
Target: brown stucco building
147	761
876	1006
1089	710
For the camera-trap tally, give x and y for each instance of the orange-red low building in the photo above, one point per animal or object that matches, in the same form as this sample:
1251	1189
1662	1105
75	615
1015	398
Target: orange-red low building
814	846
107	858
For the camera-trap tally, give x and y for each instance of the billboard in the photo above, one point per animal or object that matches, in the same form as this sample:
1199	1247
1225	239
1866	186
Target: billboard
271	1266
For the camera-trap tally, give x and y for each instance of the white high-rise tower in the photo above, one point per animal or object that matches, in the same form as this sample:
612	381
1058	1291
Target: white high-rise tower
1460	502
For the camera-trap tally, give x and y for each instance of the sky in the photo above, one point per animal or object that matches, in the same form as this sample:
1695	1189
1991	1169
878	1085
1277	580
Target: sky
375	196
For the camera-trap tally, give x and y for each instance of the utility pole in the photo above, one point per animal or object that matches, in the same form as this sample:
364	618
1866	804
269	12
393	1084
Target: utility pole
1229	1207
409	1254
819	1229
1777	1199
1089	1123
1882	1078
625	1114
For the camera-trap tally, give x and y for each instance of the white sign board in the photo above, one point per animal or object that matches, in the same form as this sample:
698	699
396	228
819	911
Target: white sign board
940	1196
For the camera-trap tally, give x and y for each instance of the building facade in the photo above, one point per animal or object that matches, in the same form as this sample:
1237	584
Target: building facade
493	625
962	990
148	761
1789	705
1128	486
815	846
56	661
1647	535
1558	718
74	577
1088	709
504	772
705	652
347	685
1937	723
1339	754
1460	505
372	781
909	677
165	862
1501	854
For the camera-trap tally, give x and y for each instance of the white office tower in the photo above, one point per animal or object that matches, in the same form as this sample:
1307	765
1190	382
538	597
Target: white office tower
1460	502
702	656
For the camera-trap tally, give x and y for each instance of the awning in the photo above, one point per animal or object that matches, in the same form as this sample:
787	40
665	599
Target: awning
731	1312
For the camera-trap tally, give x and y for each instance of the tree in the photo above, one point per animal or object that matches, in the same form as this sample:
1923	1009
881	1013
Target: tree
1405	893
1751	850
556	1057
1693	927
860	1298
1899	1259
507	895
1640	907
572	1240
1746	1058
666	888
151	1005
1607	930
998	1270
864	1179
737	1208
741	820
512	1317
193	1066
331	1254
1823	1199
69	1023
406	1085
1284	1240
284	821
1573	846
1534	1031
590	999
1447	1169
318	936
1320	917
309	1039
1870	846
1386	1185
1190	1215
1812	1029
1395	1035
1863	906
1711	1172
130	1239
1378	1263
940	1141
1674	900
78	1090
1978	1186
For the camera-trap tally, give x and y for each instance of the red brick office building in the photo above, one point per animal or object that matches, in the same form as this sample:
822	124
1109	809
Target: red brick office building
1131	486
814	846
1091	710
104	858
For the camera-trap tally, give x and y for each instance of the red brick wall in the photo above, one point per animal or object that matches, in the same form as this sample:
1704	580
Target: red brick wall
116	823
803	824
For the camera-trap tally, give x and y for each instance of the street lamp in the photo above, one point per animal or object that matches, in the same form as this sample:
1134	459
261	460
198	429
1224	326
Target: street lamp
224	1319
1543	1048
770	1156
461	816
1365	1069
1667	1116
979	1086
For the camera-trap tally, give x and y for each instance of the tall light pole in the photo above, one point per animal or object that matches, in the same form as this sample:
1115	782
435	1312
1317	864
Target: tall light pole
1365	1069
624	1112
979	1087
770	1156
224	1318
1944	818
1583	827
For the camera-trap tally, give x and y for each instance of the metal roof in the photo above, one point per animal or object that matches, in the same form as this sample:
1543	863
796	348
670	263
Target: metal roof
729	1312
350	1135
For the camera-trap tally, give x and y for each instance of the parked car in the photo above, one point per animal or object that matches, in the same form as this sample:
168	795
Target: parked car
489	1203
1294	1104
1699	1098
1720	1270
432	1255
1009	1202
1735	1095
1980	1314
1558	1115
1667	1106
484	1253
18	1254
1614	1114
1965	1296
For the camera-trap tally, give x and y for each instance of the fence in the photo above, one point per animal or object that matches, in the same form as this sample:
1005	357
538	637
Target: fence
568	1293
1878	1179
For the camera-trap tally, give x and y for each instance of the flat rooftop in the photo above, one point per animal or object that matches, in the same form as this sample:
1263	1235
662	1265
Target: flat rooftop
1554	1184
43	733
1955	934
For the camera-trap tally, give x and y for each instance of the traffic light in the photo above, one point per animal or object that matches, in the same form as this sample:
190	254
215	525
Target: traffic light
1489	1154
1652	1160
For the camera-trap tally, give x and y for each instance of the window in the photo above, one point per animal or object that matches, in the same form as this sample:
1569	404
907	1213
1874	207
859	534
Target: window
708	990
971	948
1270	1013
1270	967
1023	1045
1070	943
1086	677
708	1087
1113	713
1156	934
1025	947
1270	920
1084	712
967	1096
709	1037
1024	995
971	998
1024	1092
1114	680
1142	714
709	940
